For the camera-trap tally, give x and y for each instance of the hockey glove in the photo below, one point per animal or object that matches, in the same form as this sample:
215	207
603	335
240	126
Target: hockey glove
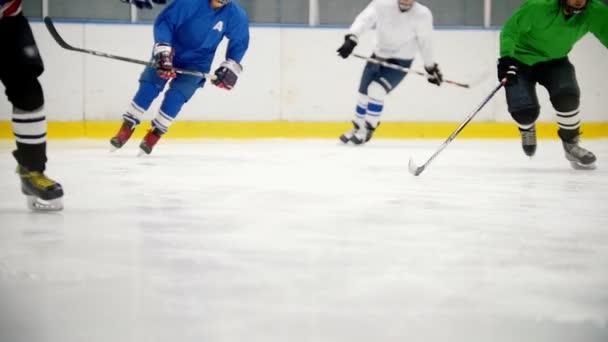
508	68
350	41
227	74
163	58
434	74
144	4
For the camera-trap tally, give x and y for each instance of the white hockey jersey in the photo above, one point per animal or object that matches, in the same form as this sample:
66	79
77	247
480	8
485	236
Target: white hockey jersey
398	34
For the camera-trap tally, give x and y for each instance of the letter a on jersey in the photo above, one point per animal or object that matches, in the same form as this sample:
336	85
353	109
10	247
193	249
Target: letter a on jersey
219	26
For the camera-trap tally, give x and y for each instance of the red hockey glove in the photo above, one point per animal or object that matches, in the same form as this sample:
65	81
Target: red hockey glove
163	58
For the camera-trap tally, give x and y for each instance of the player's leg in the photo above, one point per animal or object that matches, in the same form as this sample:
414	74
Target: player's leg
20	66
523	105
384	82
369	73
150	85
180	91
559	78
359	120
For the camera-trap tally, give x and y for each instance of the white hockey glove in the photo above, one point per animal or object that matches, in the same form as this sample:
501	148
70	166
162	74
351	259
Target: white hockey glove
227	74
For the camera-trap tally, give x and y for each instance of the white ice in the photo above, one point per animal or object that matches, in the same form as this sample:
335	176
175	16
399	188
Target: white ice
307	241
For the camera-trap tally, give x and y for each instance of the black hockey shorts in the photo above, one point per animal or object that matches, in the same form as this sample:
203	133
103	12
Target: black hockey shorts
557	76
387	77
19	57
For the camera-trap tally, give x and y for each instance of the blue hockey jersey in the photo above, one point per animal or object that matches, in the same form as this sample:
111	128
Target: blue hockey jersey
194	29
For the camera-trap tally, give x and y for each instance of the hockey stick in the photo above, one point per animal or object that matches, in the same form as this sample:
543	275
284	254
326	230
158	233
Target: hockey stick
417	170
53	31
400	68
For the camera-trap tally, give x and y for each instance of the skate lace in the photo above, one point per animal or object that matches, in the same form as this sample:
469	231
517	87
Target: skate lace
124	133
528	137
352	131
41	181
151	139
576	150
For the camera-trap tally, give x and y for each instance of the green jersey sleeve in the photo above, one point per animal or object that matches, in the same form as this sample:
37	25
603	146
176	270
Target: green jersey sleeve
519	23
599	22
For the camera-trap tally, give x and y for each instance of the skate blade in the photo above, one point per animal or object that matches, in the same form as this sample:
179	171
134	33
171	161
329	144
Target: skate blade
579	166
38	204
141	153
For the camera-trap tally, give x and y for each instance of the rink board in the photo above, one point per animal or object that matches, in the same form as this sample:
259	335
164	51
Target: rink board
284	129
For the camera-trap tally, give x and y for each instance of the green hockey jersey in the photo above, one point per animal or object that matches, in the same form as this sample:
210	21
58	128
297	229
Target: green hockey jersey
539	30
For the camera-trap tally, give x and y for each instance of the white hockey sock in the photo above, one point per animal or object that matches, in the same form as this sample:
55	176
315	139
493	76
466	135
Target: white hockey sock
29	127
525	127
377	93
374	111
569	120
162	121
134	114
361	110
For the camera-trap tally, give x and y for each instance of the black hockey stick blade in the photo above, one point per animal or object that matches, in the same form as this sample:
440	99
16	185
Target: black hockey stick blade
53	31
415	170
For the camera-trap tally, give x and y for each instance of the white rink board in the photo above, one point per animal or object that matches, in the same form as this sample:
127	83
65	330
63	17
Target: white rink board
293	74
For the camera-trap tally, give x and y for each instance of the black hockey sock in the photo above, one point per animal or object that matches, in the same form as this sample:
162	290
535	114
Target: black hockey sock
31	156
568	135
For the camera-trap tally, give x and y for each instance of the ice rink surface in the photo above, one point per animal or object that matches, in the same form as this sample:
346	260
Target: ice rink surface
308	241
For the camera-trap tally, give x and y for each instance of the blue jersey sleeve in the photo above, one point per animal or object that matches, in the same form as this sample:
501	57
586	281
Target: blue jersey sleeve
238	35
171	17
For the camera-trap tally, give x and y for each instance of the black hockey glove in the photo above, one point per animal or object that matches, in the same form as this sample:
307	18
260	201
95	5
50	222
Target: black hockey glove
350	41
434	74
144	4
227	74
508	68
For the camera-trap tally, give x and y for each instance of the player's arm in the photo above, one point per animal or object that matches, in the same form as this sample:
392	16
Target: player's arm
364	21
518	24
165	27
238	42
599	23
169	19
424	34
145	4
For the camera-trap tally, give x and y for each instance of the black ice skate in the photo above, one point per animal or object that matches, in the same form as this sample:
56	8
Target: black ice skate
580	158
123	135
42	192
364	134
150	140
528	140
345	138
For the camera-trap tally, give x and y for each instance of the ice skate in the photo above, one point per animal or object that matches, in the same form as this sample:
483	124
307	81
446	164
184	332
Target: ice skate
149	141
579	157
528	140
124	133
345	138
43	193
364	134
